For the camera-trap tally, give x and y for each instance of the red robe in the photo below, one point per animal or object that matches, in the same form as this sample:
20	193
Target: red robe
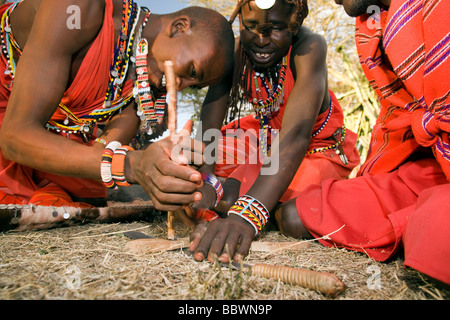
22	185
314	168
400	197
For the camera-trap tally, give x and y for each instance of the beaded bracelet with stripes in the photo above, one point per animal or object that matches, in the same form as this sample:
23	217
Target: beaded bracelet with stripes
105	165
251	210
212	180
118	165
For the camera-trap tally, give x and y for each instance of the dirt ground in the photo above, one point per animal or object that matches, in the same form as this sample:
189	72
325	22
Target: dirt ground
88	262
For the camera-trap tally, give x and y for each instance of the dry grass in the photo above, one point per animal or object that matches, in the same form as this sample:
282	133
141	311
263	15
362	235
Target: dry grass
88	262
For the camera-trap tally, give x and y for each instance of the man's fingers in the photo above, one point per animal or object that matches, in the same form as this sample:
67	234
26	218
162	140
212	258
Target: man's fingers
197	235
187	128
186	150
229	249
170	169
217	245
203	246
243	249
183	133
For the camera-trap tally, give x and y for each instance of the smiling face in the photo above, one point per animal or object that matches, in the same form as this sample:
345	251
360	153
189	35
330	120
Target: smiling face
265	34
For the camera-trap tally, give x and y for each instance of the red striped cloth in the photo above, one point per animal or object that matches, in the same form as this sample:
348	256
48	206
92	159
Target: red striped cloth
399	203
412	83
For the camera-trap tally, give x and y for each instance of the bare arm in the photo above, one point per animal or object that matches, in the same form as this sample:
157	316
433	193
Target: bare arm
303	106
48	55
302	109
214	109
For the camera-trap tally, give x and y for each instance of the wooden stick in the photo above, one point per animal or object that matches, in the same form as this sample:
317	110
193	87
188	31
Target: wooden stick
172	124
170	228
30	217
171	86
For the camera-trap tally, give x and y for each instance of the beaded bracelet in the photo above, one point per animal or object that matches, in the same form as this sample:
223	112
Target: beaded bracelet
105	165
212	180
118	166
102	141
206	215
251	210
334	146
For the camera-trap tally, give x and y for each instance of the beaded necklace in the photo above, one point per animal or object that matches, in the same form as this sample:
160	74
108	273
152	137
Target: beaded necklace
150	112
266	108
114	100
8	43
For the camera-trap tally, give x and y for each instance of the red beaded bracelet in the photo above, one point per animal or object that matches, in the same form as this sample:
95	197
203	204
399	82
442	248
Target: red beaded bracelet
251	210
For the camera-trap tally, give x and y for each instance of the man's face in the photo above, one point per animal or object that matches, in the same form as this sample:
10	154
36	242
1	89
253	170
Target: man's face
355	8
197	61
265	35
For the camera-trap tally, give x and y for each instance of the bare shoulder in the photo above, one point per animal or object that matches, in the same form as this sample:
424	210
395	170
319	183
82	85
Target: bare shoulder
309	53
309	44
75	22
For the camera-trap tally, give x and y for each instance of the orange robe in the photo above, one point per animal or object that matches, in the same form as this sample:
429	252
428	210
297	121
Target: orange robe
314	168
401	196
22	185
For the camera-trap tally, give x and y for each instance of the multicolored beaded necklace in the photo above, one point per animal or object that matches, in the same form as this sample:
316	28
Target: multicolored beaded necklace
149	111
9	45
114	100
266	108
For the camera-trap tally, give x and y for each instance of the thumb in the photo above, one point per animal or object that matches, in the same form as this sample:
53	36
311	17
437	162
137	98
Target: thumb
184	132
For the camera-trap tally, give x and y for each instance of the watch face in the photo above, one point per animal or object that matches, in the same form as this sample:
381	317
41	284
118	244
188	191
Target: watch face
265	4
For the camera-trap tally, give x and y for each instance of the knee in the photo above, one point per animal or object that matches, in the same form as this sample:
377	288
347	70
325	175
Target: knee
289	222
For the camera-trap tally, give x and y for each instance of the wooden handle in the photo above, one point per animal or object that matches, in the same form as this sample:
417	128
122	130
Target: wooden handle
170	228
324	282
142	246
171	86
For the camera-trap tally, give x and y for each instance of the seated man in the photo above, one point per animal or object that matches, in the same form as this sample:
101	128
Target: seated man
400	198
102	61
281	71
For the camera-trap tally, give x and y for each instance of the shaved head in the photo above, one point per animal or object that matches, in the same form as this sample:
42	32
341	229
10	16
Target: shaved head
213	28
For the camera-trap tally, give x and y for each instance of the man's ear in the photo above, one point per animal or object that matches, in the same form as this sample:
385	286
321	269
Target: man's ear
180	24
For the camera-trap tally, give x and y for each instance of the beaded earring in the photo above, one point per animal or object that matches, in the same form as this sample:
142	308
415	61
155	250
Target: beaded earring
150	112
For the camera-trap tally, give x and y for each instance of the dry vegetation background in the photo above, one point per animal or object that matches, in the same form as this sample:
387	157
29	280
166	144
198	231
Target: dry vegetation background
87	261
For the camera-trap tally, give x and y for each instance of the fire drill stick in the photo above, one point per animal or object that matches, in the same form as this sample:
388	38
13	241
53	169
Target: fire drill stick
172	124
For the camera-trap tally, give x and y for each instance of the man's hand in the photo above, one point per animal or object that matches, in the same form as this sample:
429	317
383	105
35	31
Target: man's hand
162	170
209	196
222	239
